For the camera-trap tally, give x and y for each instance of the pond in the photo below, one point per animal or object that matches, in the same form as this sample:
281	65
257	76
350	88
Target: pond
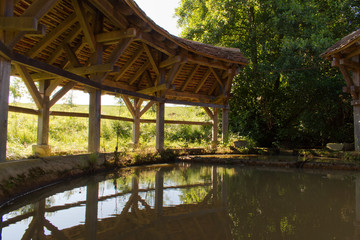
191	201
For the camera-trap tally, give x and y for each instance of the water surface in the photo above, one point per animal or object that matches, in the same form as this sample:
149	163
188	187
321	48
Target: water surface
191	202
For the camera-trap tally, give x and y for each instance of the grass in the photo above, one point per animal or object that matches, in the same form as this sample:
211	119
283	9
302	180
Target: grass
69	135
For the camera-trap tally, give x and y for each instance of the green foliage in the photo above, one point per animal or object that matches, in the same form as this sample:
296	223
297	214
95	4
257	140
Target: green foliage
287	95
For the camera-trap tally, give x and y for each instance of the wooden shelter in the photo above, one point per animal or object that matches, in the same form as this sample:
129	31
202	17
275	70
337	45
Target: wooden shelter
107	47
346	56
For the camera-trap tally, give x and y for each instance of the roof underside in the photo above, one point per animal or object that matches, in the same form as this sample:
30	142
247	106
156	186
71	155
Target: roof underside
113	44
344	46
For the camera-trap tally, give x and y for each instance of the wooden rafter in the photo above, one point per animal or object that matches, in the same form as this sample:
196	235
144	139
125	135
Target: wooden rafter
74	61
172	74
192	74
100	68
119	50
84	23
202	82
109	11
18	23
29	82
170	61
61	93
151	59
139	72
152	90
43	43
129	63
353	54
217	78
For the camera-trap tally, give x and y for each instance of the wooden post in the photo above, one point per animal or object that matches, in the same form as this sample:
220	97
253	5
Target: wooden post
94	121
356	108
215	128
160	126
136	124
5	68
6	10
42	148
225	125
92	192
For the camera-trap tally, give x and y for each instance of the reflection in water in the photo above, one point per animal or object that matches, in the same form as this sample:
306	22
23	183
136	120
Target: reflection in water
191	202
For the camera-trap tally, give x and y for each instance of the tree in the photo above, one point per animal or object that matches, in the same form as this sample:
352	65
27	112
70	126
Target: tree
287	95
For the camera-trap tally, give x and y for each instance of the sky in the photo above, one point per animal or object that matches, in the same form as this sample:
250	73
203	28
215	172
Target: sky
162	12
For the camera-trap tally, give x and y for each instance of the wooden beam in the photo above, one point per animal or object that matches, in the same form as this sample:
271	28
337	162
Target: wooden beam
114	36
170	61
50	37
217	78
160	126
202	82
94	120
192	74
152	90
18	23
139	72
172	74
119	50
151	59
146	108
100	68
130	63
209	112
352	54
199	97
206	62
158	45
129	105
65	89
53	85
39	32
215	128
29	82
350	64
348	80
23	110
225	125
84	23
74	61
110	11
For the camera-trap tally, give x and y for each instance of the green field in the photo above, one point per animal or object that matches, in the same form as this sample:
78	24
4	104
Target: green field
70	134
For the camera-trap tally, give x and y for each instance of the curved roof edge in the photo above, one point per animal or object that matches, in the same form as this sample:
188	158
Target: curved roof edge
342	44
232	55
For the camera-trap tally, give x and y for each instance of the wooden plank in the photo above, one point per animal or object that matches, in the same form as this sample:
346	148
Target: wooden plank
18	23
53	85
170	61
84	23
190	77
151	59
129	105
5	69
65	89
205	77
119	50
146	108
23	110
130	63
49	38
139	72
34	92
111	12
152	90
114	36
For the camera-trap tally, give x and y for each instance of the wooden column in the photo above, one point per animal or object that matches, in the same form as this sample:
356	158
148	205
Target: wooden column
160	126
92	193
5	68
94	120
43	148
6	10
136	124
225	125
215	129
356	107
